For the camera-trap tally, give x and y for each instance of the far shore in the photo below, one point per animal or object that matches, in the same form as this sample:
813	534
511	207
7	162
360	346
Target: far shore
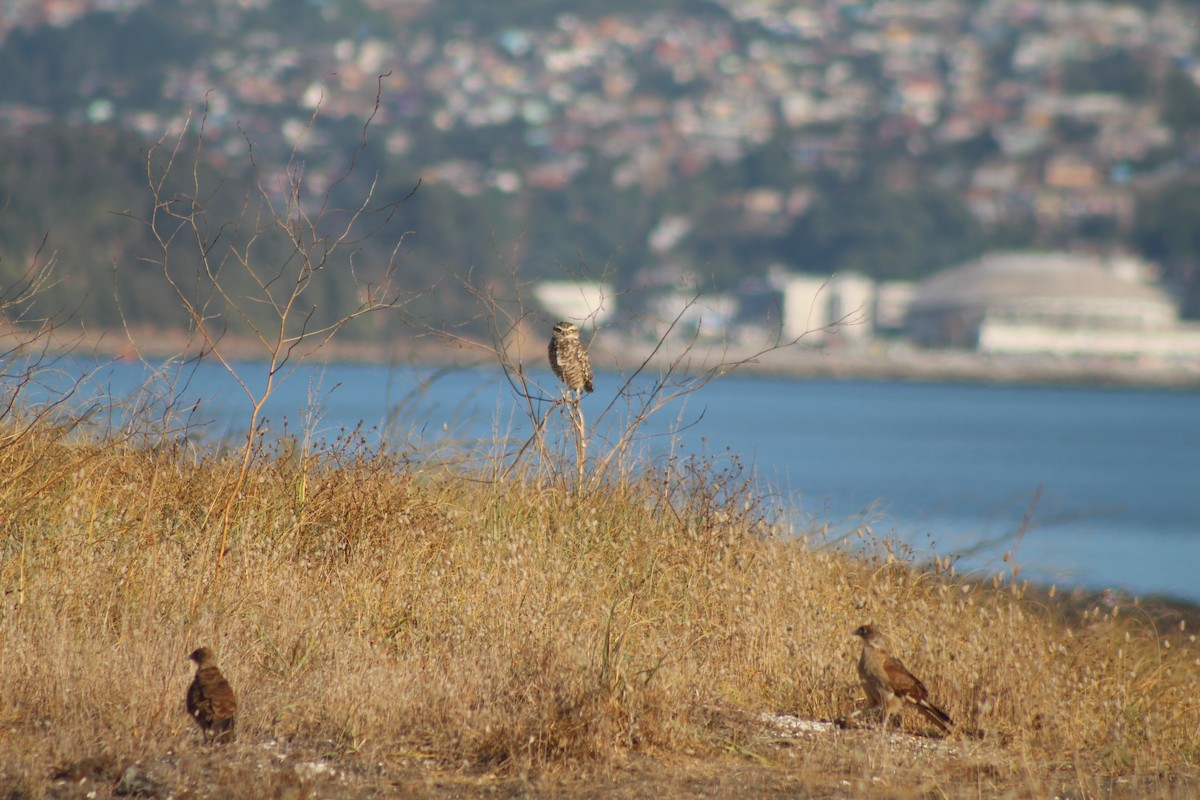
878	360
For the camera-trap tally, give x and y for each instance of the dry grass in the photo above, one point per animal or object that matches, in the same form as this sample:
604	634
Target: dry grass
418	627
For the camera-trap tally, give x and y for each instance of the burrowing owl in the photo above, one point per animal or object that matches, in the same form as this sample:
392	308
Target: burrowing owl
568	359
210	699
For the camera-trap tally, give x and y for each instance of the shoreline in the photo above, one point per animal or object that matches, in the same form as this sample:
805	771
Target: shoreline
901	361
972	368
880	361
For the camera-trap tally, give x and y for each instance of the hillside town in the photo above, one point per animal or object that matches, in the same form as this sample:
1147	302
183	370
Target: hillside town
1049	115
670	93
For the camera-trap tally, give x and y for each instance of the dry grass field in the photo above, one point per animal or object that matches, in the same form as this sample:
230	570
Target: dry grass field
398	627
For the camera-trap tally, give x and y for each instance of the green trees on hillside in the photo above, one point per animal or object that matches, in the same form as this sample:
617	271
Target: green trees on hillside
885	233
1166	231
86	193
69	187
1181	102
100	56
1116	71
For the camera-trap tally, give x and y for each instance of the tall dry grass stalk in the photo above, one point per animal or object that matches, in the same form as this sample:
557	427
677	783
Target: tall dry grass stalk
382	612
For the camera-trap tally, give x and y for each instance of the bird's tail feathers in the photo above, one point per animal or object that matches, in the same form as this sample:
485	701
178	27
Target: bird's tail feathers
935	715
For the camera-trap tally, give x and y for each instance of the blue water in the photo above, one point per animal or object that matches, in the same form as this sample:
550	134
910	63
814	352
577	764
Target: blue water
951	468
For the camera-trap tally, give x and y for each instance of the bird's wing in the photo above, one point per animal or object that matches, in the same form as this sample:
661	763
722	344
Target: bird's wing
902	681
219	694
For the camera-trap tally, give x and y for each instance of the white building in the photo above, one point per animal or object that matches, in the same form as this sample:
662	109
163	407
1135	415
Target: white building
820	307
805	306
708	316
892	299
577	301
1048	304
851	306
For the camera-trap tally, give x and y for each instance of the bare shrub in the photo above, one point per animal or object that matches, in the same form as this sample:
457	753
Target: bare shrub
256	271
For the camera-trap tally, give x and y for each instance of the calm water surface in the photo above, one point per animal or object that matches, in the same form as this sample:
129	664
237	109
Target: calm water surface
947	467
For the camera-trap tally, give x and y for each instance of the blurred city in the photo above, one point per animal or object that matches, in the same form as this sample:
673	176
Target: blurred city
875	179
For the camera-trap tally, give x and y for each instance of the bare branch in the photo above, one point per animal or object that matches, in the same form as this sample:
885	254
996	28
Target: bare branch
257	271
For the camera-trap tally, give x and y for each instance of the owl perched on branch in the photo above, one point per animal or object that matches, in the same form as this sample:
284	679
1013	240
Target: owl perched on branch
568	359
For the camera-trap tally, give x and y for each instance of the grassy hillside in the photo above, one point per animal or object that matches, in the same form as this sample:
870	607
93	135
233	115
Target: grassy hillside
399	625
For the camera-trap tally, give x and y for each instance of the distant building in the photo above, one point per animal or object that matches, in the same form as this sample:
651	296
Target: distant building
852	306
1048	304
1071	171
805	305
818	307
892	299
576	301
686	314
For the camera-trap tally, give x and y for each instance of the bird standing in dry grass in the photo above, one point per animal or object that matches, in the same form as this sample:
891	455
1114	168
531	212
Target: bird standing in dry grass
889	685
210	699
569	359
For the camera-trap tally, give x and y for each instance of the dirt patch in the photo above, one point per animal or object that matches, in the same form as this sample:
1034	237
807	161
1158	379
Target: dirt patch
787	757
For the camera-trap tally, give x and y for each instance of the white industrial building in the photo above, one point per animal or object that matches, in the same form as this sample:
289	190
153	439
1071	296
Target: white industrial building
820	307
806	311
708	316
577	301
1048	304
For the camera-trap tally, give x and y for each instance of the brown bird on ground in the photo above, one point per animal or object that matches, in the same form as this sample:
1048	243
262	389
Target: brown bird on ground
889	685
210	699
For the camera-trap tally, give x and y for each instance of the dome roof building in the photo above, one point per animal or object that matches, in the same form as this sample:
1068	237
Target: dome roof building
1047	303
